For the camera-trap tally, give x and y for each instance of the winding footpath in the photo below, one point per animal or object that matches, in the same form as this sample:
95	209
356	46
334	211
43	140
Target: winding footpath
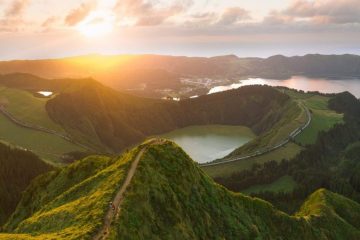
291	136
119	197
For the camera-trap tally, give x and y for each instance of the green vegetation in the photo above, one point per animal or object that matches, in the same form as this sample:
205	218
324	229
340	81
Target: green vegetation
225	170
26	107
70	202
116	120
48	146
284	184
292	117
332	162
169	197
323	119
18	168
192	206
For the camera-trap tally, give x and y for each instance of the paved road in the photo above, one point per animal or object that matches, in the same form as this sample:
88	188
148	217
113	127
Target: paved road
118	199
291	136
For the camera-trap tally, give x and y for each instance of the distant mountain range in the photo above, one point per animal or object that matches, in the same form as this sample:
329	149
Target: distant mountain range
164	72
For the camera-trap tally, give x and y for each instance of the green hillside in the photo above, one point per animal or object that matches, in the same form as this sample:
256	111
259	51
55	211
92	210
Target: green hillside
17	169
117	120
331	162
169	197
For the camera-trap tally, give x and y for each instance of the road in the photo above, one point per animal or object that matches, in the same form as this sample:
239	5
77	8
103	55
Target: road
20	123
119	197
292	135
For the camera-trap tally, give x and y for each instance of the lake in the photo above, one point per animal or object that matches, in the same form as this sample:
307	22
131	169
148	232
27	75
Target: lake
301	83
210	142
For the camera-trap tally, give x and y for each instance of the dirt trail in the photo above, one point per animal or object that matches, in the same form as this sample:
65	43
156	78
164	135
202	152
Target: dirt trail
109	217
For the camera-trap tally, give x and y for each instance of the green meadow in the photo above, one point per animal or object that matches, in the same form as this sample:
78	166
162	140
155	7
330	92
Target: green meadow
24	106
322	119
48	146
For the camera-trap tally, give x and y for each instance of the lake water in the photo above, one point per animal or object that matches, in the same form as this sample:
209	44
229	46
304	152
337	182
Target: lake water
45	93
300	83
207	143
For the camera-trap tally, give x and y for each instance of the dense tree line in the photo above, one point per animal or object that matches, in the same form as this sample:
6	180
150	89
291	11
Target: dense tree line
17	169
333	162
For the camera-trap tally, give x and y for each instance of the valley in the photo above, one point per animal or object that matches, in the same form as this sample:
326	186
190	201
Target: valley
253	140
179	120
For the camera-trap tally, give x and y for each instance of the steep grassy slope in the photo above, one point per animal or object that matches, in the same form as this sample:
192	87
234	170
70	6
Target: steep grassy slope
169	198
108	120
17	169
70	203
191	206
332	162
117	120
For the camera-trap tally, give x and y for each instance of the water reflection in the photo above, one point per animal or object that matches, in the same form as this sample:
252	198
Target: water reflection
300	83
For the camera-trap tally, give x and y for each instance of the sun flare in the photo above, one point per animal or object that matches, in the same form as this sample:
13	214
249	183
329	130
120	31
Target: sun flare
96	25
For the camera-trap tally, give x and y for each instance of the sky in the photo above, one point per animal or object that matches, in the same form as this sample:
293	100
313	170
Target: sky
37	29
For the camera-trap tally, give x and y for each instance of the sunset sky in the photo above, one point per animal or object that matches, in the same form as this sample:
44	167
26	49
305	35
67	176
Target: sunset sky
32	29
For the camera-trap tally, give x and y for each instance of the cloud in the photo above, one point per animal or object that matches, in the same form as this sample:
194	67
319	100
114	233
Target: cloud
16	8
80	13
49	22
146	13
318	12
12	20
233	15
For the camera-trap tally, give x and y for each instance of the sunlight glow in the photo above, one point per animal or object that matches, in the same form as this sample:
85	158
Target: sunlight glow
97	24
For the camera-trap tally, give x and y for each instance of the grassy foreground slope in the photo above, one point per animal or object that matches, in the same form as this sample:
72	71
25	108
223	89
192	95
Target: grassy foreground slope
169	198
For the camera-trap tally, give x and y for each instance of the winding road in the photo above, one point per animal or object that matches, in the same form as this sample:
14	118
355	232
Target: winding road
20	123
291	136
103	233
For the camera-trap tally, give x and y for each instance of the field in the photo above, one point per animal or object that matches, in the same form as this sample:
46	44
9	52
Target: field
27	108
322	119
49	147
283	184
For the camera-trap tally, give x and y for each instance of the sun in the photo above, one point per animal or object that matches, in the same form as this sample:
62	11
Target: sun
96	24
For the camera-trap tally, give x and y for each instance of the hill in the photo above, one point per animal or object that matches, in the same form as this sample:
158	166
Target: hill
107	120
18	169
331	162
169	197
156	75
117	120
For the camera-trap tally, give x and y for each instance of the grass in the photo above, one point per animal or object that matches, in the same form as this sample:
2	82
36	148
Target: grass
23	105
283	184
70	203
225	170
49	147
169	197
323	119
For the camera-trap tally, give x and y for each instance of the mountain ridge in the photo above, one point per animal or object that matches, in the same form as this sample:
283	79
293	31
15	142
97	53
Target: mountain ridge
170	198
